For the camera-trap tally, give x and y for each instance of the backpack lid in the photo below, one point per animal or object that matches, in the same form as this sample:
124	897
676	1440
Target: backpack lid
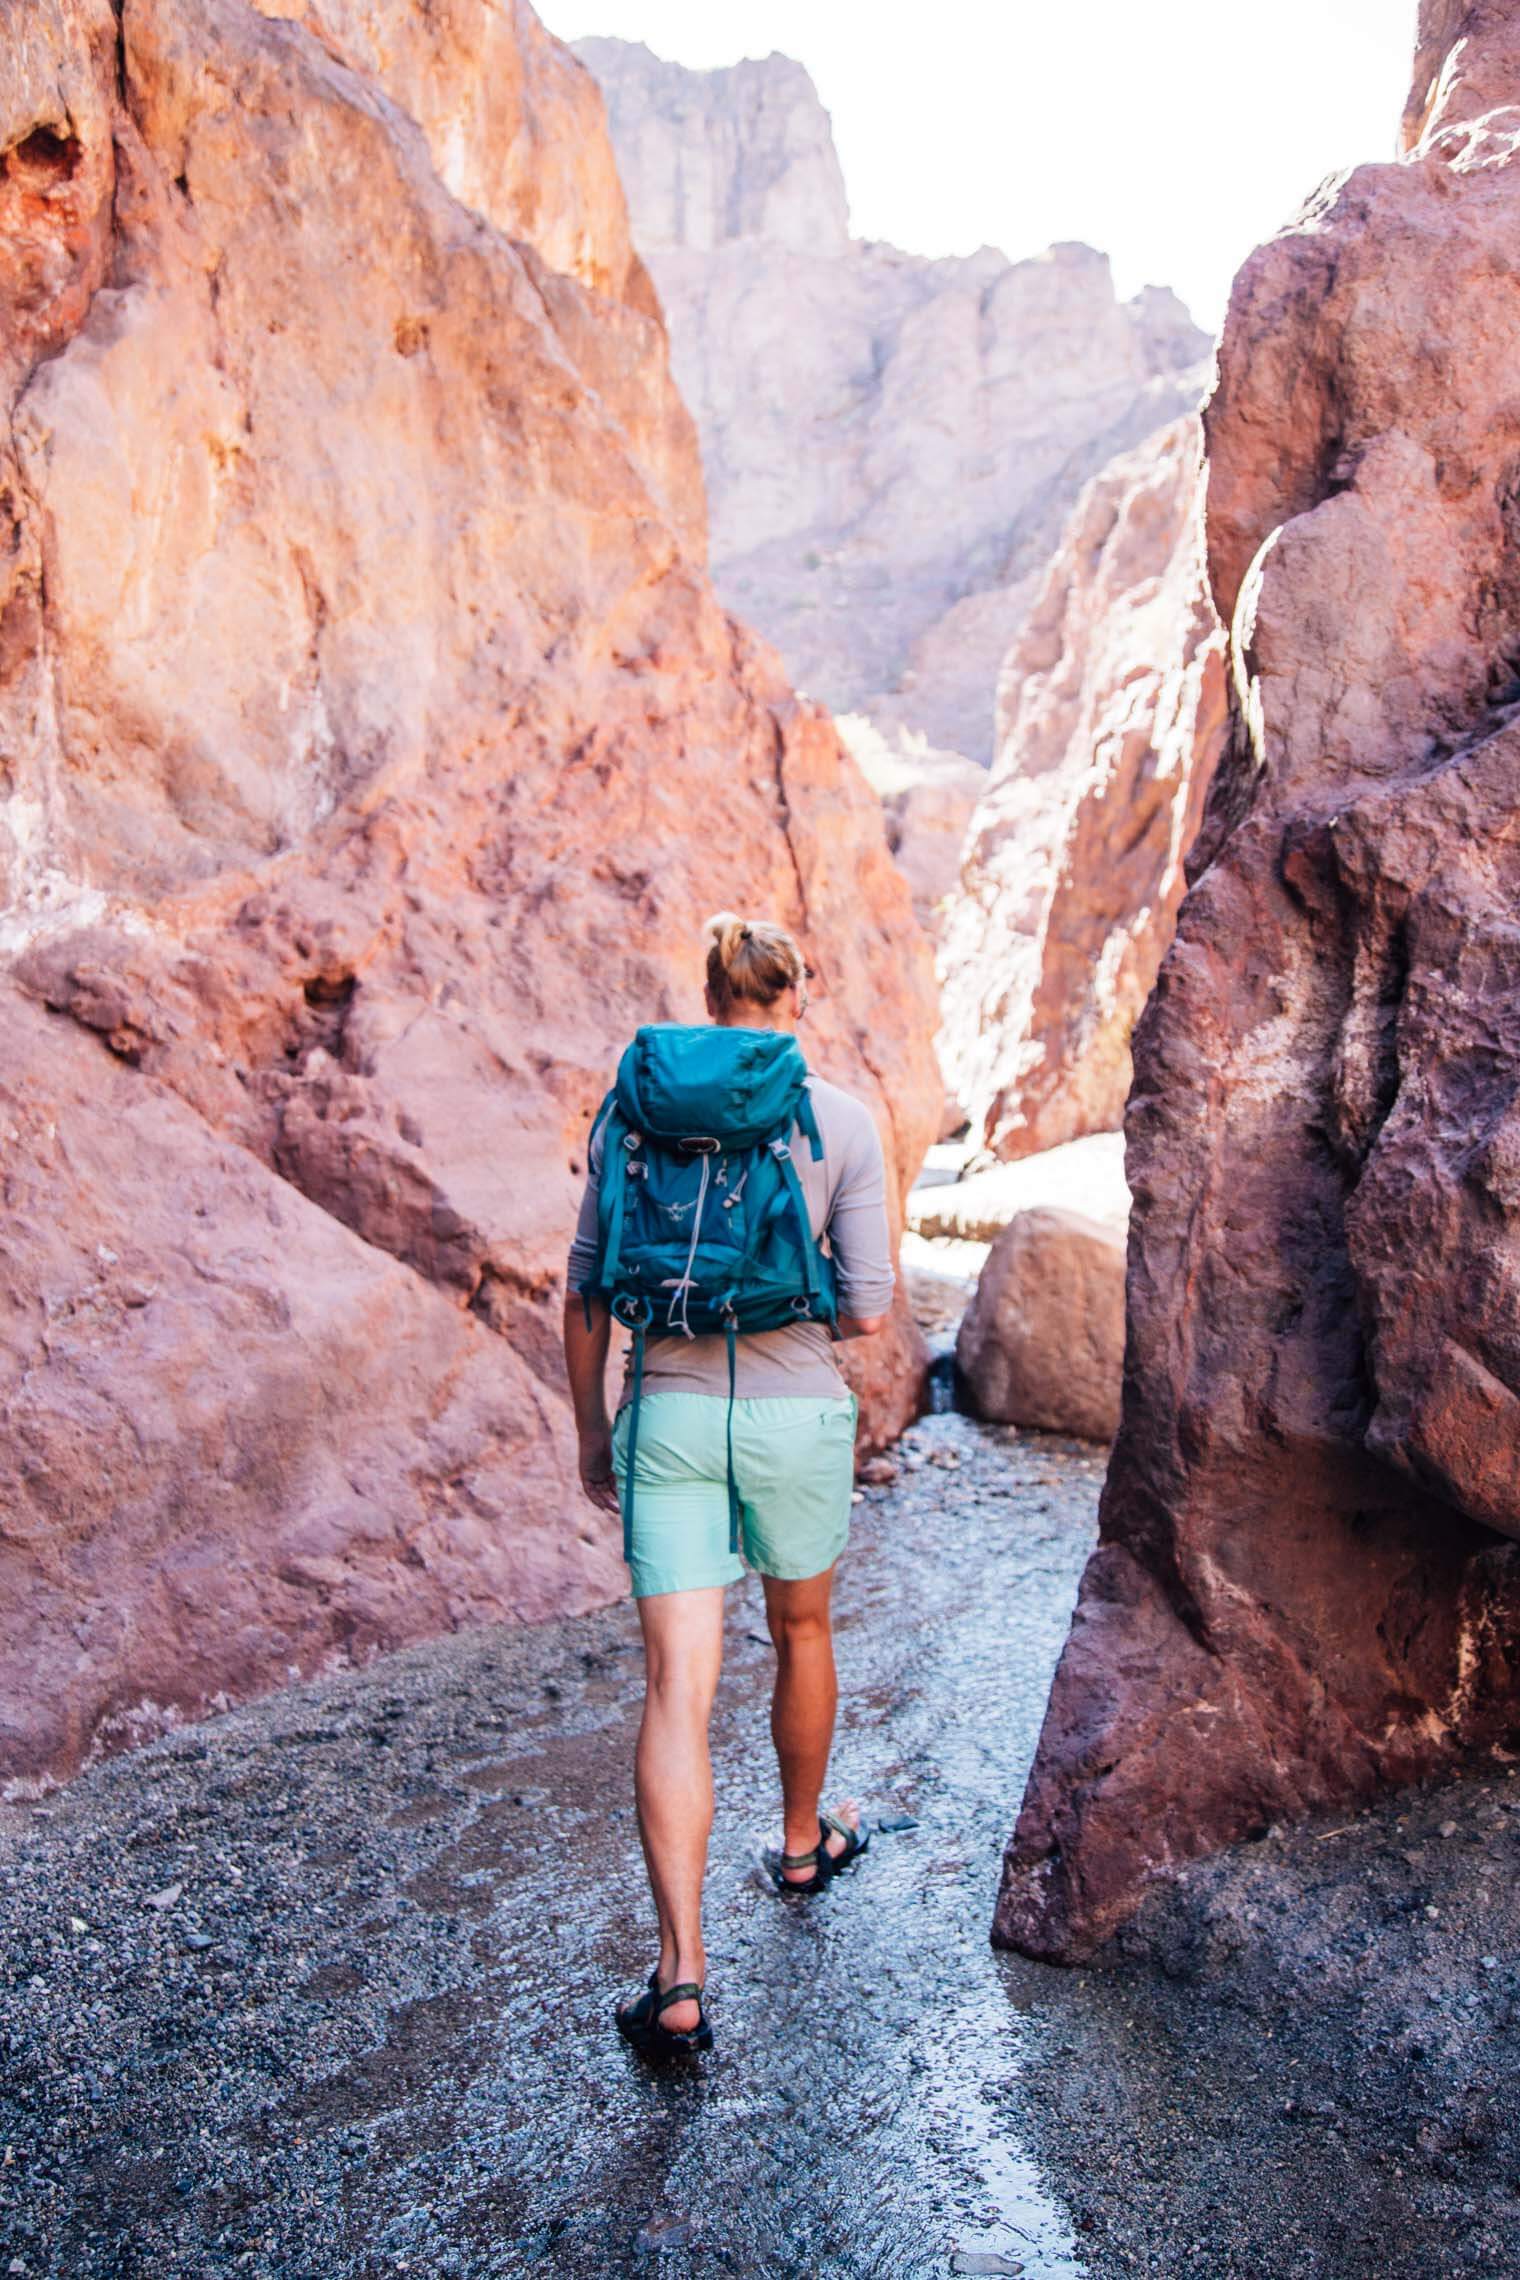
738	1086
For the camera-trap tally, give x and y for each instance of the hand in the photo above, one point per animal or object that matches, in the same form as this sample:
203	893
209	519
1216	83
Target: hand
597	1477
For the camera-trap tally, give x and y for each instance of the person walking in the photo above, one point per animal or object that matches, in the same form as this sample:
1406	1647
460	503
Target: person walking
734	1219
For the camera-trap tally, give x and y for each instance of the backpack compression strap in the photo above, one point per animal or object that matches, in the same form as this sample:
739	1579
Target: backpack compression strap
630	1456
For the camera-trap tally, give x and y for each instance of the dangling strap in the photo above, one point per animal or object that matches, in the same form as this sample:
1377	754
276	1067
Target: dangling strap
809	1123
783	1156
631	1454
733	1486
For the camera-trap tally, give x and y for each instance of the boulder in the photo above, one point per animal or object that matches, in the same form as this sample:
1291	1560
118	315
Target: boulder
1042	1342
1111	719
373	748
1308	1581
1085	1176
891	443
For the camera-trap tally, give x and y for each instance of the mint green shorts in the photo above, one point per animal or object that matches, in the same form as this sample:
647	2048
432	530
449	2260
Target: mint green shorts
794	1466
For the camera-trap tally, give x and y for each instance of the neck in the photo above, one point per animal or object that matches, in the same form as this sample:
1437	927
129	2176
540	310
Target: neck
746	1016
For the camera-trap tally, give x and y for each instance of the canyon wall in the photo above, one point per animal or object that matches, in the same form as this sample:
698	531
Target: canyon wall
1308	1581
891	444
372	746
1110	720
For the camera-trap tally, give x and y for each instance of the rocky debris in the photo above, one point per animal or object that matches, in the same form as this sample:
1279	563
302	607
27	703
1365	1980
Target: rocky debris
1042	1342
1085	1176
1306	1585
374	748
927	799
1111	717
891	443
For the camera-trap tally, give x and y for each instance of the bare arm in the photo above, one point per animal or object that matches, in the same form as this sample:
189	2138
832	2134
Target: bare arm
586	1363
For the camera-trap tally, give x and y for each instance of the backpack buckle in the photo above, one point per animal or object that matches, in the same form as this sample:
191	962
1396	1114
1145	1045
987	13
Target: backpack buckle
699	1144
633	1310
632	1140
781	1151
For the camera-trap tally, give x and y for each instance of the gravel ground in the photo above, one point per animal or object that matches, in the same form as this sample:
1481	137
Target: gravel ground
321	1988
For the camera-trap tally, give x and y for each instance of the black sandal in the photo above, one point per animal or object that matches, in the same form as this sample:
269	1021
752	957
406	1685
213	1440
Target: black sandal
638	2022
824	1864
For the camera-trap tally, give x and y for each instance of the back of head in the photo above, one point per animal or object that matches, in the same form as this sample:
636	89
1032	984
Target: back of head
750	962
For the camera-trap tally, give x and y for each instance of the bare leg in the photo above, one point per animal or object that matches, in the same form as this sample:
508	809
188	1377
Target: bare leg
803	1707
673	1788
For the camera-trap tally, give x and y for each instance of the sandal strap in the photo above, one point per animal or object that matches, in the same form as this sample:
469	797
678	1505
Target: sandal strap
799	1860
840	1828
685	1992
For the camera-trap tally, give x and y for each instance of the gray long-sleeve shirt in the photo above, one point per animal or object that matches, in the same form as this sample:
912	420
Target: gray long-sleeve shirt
847	1203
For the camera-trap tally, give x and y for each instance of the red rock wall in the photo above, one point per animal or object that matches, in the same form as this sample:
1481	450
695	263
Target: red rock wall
373	748
1307	1583
1111	717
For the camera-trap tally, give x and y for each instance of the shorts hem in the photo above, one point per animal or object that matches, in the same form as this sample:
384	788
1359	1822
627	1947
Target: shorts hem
795	1571
652	1583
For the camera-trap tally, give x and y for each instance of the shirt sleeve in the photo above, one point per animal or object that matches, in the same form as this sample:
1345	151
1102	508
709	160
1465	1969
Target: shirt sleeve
582	1258
859	1235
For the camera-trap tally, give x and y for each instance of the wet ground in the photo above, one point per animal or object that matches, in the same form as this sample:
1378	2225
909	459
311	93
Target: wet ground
321	1989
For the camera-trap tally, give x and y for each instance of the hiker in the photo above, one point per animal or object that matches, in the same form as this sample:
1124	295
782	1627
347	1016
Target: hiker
735	1220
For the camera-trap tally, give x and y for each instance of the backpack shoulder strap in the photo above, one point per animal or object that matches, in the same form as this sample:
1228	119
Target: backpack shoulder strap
807	1117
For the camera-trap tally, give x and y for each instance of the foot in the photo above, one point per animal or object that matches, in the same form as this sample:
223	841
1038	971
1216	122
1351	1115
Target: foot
848	1812
677	2018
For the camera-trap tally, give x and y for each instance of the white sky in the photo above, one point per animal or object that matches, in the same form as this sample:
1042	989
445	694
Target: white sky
1173	134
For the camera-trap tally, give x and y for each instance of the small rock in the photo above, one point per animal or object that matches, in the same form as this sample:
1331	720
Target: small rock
982	2260
166	1898
78	1924
891	1823
196	1940
671	2230
879	1472
1448	1828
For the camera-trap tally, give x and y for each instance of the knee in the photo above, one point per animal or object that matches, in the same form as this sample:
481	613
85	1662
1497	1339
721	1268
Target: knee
801	1633
678	1690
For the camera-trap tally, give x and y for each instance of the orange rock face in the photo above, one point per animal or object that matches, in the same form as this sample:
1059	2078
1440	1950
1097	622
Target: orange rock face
1308	1582
371	749
1111	718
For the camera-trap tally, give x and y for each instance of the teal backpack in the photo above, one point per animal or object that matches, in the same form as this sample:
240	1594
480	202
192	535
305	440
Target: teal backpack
702	1225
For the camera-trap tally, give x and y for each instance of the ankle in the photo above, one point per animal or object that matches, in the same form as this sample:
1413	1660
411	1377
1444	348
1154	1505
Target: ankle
687	1966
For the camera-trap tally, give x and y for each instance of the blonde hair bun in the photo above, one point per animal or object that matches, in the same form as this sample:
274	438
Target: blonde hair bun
750	959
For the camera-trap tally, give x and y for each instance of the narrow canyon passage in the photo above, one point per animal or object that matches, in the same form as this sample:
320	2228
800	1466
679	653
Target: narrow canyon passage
321	1988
